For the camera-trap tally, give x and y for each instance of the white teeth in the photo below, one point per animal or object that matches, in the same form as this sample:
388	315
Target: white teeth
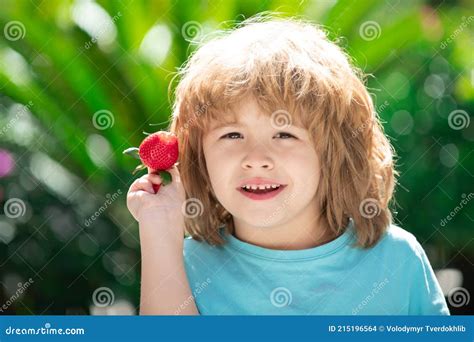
261	187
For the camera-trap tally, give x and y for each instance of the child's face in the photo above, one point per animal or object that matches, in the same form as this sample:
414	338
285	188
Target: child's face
258	148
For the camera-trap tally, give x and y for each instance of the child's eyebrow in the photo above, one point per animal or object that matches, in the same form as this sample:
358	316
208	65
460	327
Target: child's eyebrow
238	124
226	124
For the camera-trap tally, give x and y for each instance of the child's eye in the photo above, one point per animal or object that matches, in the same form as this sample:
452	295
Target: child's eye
286	134
233	135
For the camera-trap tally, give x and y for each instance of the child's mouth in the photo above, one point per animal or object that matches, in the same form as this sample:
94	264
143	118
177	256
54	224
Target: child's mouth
261	194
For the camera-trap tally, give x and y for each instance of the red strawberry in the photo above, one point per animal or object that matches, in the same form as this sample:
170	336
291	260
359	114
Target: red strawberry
158	151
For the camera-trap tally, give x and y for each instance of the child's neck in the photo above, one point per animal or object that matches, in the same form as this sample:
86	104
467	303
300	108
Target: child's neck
290	236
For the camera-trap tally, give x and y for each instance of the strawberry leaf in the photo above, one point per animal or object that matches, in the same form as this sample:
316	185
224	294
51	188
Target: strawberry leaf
165	177
139	168
133	152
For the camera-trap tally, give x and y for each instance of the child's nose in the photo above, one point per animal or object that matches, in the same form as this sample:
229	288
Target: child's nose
257	158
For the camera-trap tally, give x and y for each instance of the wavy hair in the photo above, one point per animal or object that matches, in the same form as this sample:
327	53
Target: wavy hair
291	65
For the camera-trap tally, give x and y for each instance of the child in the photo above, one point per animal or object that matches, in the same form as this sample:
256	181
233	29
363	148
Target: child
283	183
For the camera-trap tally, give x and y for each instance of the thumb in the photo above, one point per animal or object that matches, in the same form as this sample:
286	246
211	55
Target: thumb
150	170
175	174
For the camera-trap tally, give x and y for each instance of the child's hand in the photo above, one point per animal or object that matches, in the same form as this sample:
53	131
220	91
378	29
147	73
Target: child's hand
161	228
165	205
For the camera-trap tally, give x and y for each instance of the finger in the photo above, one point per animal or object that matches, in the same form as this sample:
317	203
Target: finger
175	174
143	185
155	181
154	178
150	170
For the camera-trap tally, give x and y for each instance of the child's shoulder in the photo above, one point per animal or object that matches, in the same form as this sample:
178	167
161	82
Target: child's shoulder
399	241
192	245
396	241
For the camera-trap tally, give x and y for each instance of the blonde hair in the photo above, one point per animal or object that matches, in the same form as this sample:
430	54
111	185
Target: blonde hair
290	65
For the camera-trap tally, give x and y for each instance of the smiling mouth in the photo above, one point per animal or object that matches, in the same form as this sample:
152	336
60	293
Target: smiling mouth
262	191
262	194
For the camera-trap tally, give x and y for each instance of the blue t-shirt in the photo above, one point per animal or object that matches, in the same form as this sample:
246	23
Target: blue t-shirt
392	278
